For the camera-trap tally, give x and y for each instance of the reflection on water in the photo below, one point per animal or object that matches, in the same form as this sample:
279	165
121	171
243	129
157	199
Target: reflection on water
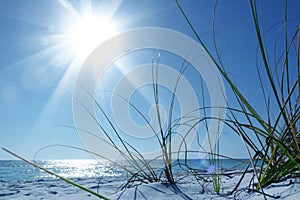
19	170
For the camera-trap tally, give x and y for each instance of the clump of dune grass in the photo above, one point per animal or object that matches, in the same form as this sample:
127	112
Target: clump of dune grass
138	168
281	154
277	131
133	162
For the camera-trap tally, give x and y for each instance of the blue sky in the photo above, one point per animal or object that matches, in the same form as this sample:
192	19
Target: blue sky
39	63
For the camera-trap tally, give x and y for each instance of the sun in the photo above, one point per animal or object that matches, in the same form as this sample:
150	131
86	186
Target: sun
88	32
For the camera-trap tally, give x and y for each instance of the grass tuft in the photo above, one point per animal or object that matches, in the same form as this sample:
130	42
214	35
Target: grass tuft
278	138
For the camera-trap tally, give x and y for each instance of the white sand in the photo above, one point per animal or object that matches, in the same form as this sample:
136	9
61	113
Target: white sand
186	188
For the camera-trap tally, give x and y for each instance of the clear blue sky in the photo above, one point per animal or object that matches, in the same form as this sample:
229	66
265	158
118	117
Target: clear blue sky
39	63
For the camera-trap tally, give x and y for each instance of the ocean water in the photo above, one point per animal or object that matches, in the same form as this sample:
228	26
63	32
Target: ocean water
19	170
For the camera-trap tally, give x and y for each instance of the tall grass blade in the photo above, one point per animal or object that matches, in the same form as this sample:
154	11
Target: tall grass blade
56	175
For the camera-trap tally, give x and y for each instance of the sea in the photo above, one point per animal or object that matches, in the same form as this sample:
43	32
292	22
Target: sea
17	170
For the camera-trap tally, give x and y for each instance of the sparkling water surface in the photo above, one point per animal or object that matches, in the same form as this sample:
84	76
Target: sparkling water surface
19	170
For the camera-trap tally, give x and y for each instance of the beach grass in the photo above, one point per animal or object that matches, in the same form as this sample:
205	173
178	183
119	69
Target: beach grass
140	169
277	131
273	158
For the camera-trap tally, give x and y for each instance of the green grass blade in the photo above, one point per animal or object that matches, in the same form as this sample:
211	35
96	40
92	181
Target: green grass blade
57	176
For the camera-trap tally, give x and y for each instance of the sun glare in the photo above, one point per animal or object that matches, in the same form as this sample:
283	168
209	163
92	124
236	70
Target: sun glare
89	32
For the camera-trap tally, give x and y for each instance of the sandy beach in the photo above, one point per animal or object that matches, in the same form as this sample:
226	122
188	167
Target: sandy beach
186	188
